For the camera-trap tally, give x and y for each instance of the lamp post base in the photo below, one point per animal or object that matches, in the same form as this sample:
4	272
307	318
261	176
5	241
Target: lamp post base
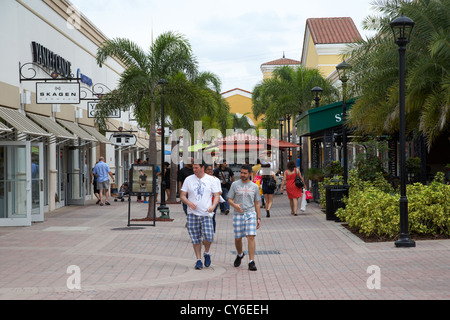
164	212
405	241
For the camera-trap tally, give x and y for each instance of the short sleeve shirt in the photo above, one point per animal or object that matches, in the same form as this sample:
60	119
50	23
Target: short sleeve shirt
245	194
101	169
200	192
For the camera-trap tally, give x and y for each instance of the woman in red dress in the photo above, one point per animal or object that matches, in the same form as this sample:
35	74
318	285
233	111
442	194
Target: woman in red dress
294	193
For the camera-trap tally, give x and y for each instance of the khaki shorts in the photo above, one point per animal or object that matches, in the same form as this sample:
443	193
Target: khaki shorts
103	185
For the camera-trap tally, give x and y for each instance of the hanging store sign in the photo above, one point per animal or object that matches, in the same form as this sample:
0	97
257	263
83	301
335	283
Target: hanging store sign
115	114
50	60
123	139
57	93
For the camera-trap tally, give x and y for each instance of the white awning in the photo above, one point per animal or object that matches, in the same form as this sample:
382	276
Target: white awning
93	132
75	129
4	128
15	118
52	127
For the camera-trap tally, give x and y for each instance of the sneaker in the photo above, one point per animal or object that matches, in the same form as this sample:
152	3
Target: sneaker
252	266
227	212
199	265
207	260
237	262
107	203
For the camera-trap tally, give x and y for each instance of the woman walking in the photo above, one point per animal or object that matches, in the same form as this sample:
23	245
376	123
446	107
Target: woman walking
294	193
269	184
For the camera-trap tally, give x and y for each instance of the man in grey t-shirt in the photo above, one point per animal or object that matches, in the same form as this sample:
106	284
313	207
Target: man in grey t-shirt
244	197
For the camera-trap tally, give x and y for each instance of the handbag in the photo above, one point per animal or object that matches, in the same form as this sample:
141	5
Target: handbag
298	182
308	195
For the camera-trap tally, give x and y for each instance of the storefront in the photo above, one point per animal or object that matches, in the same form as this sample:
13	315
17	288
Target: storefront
49	81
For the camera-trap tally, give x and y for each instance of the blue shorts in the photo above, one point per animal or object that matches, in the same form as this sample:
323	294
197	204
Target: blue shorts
200	228
244	225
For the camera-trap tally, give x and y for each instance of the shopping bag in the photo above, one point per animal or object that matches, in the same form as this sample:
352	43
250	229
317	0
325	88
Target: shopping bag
303	204
114	190
308	195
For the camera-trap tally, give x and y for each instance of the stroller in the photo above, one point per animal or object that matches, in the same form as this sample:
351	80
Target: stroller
122	193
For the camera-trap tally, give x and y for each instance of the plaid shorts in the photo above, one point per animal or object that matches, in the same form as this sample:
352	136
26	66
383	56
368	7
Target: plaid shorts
200	228
244	225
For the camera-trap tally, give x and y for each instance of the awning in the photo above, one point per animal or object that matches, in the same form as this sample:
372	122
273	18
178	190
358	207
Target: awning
322	118
142	143
93	132
281	144
22	123
4	128
74	128
52	127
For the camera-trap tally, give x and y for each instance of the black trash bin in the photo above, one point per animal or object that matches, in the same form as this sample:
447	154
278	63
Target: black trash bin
334	200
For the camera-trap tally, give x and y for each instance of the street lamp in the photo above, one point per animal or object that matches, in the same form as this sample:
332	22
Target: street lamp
288	118
281	120
402	28
343	70
317	91
163	207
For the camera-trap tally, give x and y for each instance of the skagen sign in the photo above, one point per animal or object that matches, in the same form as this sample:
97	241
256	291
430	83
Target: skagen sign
57	93
50	60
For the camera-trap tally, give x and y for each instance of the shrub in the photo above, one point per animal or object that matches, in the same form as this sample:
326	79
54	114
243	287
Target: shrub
373	208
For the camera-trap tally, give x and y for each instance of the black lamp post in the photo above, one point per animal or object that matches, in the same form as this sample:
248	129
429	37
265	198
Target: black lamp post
281	120
317	91
163	207
402	28
288	118
343	69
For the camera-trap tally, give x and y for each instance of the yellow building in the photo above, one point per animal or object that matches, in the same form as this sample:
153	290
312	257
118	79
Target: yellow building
240	102
324	42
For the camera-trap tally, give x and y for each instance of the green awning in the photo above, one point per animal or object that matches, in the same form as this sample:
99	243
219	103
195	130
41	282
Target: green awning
322	118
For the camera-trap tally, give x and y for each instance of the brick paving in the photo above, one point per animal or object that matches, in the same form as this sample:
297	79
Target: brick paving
300	258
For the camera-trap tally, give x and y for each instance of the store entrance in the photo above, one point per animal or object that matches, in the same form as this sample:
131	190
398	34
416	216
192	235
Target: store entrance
15	184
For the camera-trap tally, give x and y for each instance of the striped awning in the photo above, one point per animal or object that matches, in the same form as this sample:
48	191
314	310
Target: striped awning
93	132
4	128
75	129
52	127
19	121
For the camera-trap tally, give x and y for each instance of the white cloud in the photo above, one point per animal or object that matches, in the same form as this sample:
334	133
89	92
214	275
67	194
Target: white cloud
232	38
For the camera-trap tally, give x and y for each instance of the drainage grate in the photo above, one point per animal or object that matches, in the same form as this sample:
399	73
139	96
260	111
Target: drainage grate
127	229
260	253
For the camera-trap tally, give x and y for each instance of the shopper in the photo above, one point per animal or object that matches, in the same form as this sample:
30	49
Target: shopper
94	184
269	184
183	173
197	192
244	197
294	193
226	177
209	171
102	171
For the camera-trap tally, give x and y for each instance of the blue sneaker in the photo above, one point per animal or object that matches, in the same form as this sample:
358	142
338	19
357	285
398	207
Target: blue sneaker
207	260
199	265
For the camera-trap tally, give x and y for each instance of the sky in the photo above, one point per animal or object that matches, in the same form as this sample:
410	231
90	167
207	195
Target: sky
230	38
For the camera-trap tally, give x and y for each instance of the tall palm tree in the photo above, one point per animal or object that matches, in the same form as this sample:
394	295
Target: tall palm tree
138	87
375	64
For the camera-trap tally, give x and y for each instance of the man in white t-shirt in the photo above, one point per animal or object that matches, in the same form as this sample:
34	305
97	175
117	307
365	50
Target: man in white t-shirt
199	189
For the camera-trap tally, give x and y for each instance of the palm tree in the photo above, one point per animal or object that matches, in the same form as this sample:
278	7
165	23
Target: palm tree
289	92
138	87
375	64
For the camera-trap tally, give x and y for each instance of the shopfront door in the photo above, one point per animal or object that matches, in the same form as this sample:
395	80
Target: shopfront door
76	173
15	184
37	182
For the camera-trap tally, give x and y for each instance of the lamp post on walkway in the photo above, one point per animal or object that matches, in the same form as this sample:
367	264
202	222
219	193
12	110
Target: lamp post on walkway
343	69
163	207
402	28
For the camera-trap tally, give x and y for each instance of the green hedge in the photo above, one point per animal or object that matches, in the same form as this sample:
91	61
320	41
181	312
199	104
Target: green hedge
373	207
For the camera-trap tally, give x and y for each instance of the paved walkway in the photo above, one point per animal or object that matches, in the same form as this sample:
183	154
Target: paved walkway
303	257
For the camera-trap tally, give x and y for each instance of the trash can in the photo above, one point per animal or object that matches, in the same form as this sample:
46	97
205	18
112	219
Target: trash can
334	200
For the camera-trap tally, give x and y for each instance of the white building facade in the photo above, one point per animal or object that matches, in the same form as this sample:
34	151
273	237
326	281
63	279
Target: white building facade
49	85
